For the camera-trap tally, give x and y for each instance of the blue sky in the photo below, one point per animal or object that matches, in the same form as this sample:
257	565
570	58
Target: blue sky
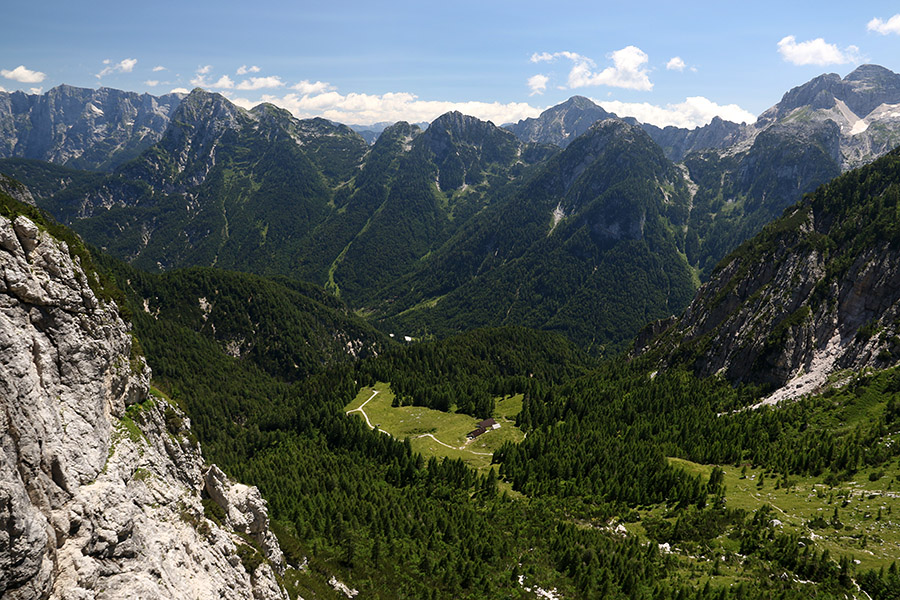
361	62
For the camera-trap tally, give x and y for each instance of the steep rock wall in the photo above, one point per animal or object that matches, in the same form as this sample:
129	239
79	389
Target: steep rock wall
100	482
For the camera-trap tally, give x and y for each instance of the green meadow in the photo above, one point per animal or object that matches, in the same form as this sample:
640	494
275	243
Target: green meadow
436	433
867	523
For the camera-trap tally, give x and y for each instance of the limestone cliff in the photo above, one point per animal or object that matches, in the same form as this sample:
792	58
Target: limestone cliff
100	480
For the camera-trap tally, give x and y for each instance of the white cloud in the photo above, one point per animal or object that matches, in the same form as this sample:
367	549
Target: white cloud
123	66
306	88
151	82
695	111
259	83
199	78
892	25
547	57
815	52
225	83
158	68
37	91
23	75
2	89
629	69
239	101
364	109
675	64
179	90
542	57
244	69
538	84
127	65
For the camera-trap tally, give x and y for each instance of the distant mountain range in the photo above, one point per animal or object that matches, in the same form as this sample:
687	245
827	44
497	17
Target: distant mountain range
82	128
867	97
576	221
371	132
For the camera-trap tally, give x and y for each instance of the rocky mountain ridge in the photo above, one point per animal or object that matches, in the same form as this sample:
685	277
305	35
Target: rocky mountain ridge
101	481
745	175
263	192
868	97
865	105
82	128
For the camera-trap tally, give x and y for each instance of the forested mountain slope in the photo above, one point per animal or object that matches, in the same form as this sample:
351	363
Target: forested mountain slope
289	329
747	174
815	292
590	246
261	191
223	186
436	182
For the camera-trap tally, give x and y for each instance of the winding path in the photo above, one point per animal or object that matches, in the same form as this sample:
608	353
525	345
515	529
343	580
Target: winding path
453	447
365	416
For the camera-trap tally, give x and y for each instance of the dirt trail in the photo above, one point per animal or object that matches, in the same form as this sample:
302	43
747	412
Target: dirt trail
454	447
365	416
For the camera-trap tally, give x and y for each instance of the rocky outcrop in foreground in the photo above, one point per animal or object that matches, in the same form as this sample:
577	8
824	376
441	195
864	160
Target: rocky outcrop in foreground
101	482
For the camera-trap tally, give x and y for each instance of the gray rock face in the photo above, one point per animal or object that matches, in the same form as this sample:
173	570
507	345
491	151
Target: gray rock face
245	512
746	344
99	481
678	142
865	105
82	128
862	91
16	190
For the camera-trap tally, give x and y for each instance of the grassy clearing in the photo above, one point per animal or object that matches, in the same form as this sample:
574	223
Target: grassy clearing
868	508
436	433
423	305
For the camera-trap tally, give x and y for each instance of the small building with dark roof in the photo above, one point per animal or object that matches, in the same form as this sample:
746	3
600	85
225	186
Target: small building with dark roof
483	427
474	434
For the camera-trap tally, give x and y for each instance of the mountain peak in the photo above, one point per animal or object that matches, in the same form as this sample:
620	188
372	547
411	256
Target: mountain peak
455	120
202	108
579	102
863	90
871	72
562	123
458	127
199	94
270	110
